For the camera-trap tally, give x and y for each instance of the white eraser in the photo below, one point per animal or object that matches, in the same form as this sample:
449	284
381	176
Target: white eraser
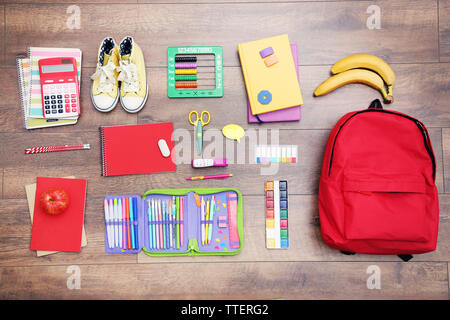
162	144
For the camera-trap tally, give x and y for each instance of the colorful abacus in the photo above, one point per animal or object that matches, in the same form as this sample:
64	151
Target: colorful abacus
277	235
195	72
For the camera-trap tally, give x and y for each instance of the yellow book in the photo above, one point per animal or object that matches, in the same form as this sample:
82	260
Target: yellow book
272	87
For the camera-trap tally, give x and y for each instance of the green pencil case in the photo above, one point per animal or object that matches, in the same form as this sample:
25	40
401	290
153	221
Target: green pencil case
177	222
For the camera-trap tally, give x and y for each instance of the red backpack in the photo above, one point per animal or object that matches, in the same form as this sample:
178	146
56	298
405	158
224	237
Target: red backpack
377	192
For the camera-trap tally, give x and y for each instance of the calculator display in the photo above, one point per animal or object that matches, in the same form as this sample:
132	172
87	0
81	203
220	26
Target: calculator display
57	68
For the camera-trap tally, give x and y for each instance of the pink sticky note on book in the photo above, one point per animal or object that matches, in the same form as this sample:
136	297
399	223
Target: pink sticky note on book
283	115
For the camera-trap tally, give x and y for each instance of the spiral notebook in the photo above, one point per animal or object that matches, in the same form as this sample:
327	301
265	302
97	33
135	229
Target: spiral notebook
30	88
133	149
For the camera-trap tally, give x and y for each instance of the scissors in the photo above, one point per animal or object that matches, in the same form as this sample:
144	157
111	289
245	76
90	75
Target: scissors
198	123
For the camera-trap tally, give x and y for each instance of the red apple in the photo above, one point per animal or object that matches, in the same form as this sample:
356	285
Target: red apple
54	201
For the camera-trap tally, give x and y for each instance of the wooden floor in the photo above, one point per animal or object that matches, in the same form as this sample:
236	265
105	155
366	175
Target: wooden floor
414	38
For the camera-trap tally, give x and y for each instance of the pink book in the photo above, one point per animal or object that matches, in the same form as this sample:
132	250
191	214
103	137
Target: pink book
284	115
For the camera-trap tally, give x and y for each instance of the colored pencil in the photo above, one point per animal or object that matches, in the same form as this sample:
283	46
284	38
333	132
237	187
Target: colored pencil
116	227
127	213
156	225
170	224
178	220
149	213
66	147
182	220
212	209
123	225
130	200
119	220
161	244
202	218
174	217
108	223
206	221
135	218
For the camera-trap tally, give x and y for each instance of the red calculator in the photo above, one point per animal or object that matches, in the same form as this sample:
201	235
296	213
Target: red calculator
59	87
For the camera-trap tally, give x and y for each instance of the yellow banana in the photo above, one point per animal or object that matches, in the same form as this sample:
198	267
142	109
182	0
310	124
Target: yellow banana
353	76
370	62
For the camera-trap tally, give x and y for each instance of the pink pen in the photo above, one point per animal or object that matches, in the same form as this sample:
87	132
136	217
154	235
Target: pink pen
161	243
124	229
181	218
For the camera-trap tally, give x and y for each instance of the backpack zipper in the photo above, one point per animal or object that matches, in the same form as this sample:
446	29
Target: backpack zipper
418	124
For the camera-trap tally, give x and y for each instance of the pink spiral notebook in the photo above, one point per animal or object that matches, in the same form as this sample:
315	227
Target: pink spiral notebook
283	115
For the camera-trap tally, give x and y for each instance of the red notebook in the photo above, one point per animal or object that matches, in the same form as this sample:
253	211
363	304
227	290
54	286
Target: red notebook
59	232
133	149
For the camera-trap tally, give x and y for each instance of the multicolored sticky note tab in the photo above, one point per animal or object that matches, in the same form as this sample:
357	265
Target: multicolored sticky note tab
277	235
276	153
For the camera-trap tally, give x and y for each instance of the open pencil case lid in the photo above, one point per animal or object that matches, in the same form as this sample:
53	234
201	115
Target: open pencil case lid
226	237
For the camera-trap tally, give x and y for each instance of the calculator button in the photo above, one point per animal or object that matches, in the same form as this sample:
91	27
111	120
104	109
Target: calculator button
73	95
53	97
46	102
74	109
47	107
53	106
53	101
60	106
54	111
60	111
59	96
46	97
74	105
60	101
66	96
47	111
74	100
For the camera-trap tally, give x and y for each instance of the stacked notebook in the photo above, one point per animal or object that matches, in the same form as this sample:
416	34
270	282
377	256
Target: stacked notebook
30	85
62	232
270	73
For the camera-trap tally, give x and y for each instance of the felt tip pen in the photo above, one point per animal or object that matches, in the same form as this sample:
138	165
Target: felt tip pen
216	176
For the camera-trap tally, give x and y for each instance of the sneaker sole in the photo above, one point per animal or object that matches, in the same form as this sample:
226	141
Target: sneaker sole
141	105
105	110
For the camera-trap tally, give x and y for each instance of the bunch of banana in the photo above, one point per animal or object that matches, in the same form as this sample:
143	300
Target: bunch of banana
360	68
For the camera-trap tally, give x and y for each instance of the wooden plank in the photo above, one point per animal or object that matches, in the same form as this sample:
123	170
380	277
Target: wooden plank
15	238
2	35
90	119
340	27
444	30
20	168
305	239
420	92
49	25
436	142
446	158
228	281
305	242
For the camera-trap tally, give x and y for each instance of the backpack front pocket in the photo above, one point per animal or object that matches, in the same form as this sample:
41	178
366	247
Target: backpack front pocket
385	207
